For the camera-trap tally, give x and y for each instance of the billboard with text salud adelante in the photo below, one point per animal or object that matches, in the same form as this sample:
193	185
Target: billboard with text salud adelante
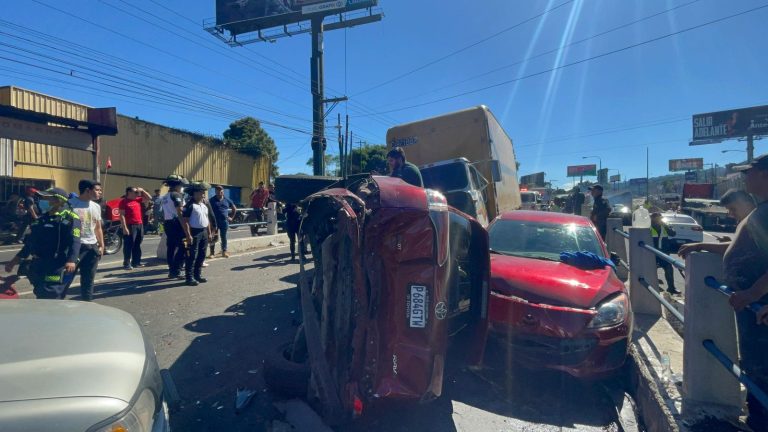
736	123
243	16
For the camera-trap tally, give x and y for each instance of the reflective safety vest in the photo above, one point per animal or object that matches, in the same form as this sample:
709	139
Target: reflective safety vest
655	234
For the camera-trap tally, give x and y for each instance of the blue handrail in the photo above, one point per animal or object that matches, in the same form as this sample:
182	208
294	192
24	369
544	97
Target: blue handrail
711	282
736	371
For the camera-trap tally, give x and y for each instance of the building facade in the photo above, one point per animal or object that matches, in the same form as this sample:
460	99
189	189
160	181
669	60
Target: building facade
142	154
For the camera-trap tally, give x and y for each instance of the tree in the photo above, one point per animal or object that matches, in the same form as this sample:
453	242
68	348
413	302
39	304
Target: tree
248	137
368	159
331	164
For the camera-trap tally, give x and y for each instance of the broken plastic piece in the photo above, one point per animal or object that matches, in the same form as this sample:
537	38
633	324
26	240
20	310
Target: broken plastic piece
243	397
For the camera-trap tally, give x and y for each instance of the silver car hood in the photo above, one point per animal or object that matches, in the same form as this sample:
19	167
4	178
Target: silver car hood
67	349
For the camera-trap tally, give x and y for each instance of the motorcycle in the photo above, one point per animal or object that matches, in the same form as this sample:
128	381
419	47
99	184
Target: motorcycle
113	237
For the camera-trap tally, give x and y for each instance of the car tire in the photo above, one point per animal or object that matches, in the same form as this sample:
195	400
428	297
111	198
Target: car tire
285	376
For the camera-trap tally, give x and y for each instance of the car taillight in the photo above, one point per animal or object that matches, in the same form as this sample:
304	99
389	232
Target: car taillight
697	228
436	201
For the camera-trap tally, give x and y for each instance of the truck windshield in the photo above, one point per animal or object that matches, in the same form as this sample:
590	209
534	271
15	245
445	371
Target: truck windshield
445	178
528	197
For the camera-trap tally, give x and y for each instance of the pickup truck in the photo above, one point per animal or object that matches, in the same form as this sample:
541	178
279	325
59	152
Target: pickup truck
395	271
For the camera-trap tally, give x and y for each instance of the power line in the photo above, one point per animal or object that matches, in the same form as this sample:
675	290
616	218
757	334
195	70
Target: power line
544	53
460	50
606	54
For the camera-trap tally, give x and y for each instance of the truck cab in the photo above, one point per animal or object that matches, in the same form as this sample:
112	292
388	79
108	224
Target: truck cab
465	188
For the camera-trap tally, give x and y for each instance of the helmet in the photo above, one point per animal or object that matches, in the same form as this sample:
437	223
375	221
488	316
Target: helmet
198	186
175	180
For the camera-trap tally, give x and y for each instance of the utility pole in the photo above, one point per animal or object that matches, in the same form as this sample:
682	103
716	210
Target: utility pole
341	146
96	158
647	176
346	149
318	107
750	148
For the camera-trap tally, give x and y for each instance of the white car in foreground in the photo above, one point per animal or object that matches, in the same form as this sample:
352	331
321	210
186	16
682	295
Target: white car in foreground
687	230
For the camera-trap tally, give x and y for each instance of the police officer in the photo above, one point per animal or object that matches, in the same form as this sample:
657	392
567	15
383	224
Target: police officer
54	244
197	228
660	232
172	203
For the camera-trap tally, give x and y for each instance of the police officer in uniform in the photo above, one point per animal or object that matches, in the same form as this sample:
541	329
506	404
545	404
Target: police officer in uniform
172	204
54	244
197	228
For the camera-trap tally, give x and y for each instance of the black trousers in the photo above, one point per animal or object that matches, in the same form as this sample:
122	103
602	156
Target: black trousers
89	262
196	253
132	245
174	242
753	344
48	279
669	273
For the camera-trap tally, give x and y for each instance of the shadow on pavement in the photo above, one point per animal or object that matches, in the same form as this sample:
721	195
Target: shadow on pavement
267	261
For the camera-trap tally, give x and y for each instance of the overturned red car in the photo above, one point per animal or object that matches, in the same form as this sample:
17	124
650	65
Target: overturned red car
550	314
396	270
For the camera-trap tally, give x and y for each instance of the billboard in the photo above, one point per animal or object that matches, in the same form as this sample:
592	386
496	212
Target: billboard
615	178
686	164
242	16
711	127
691	176
535	179
642	181
602	176
582	170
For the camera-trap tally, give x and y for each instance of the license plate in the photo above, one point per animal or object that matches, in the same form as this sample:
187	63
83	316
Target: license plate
417	306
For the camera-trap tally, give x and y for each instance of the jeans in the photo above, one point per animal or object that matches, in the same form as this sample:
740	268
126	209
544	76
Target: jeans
174	241
132	245
753	345
669	273
196	253
89	261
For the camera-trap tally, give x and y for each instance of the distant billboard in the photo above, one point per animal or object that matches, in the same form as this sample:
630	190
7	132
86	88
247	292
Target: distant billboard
642	181
535	179
242	16
582	170
686	164
737	123
691	176
615	178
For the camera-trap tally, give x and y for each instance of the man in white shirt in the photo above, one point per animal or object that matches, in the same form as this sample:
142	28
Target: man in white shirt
197	228
91	235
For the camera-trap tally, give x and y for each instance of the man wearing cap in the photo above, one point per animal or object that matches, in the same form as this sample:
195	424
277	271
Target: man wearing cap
197	228
222	208
91	235
600	210
400	167
54	244
577	200
173	202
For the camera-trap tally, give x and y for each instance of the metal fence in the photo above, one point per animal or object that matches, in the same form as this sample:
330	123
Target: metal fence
708	321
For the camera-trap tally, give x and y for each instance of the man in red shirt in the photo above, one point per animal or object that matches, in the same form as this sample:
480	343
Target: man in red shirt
259	198
131	211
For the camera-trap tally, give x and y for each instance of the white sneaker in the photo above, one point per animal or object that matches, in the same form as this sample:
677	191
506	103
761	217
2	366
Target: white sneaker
205	264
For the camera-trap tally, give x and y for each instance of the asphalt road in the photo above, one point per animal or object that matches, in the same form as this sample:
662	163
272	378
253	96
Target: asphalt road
213	339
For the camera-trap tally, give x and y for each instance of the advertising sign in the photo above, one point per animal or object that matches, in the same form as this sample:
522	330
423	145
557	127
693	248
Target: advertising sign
582	170
615	178
686	164
533	180
711	127
40	133
242	16
642	181
691	176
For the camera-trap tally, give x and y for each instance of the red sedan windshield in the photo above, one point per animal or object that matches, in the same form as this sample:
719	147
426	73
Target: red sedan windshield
541	240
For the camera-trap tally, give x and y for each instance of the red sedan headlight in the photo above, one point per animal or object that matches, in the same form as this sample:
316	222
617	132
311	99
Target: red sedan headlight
611	312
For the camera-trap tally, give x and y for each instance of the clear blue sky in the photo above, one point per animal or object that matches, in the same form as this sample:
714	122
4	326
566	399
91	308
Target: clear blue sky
613	106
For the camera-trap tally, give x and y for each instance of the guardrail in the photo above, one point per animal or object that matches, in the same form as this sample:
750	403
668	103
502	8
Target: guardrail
709	328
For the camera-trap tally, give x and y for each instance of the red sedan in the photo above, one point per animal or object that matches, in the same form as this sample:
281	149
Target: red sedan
551	314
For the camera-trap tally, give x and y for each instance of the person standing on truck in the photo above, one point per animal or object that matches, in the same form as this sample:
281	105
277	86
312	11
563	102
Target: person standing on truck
400	167
659	232
54	244
600	210
174	232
